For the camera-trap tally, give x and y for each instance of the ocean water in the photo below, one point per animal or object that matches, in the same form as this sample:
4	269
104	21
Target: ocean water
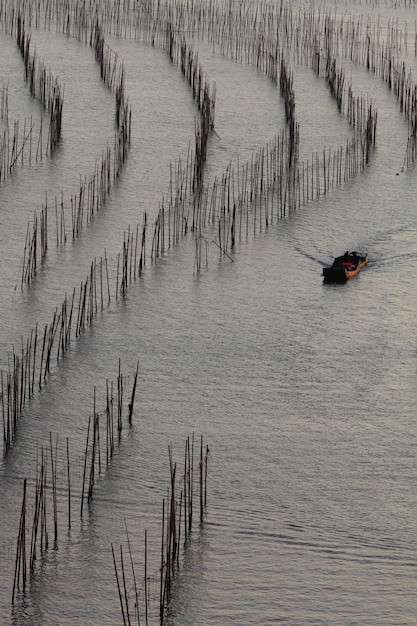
304	392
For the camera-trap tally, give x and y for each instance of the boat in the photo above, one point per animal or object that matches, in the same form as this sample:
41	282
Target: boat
345	267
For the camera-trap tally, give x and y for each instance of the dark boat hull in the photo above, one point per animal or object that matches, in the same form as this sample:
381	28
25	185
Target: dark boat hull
335	274
345	267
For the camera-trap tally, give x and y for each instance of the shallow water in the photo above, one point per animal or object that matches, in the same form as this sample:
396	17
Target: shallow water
304	392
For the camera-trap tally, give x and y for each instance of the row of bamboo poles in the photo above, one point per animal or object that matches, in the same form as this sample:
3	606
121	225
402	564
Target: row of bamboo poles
73	214
361	44
94	190
30	368
72	14
230	23
42	85
50	481
113	424
113	75
271	186
21	145
40	520
314	38
350	161
22	142
177	524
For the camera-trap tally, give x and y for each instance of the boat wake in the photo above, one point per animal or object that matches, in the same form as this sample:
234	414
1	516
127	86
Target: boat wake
313	258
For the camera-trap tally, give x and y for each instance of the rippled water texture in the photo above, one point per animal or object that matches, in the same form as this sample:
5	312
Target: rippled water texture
305	393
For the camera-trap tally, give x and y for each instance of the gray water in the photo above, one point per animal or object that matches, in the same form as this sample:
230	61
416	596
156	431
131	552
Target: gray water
305	392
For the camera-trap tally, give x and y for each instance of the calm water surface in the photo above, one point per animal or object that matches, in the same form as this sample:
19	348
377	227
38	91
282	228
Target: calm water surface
305	393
